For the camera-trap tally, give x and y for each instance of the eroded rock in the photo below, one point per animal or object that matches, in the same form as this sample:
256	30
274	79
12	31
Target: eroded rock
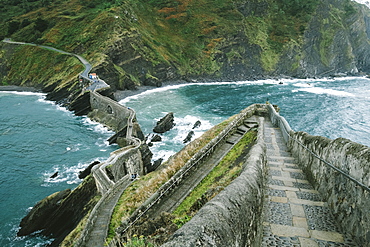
165	124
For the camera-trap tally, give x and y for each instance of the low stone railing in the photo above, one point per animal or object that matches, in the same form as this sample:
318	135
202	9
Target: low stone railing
234	216
340	170
97	209
196	160
106	186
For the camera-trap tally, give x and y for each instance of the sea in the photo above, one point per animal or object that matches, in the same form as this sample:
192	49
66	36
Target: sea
39	138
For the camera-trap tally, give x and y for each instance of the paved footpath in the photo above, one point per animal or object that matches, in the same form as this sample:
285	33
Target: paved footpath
294	213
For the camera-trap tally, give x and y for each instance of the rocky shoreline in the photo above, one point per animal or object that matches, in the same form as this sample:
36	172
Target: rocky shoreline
15	88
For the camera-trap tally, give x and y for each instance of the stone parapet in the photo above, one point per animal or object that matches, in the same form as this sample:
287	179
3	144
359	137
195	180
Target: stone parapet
245	205
234	216
350	162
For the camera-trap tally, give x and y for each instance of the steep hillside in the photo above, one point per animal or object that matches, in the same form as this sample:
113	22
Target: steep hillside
136	42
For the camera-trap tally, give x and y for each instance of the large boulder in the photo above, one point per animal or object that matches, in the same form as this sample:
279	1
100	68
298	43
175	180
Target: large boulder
165	124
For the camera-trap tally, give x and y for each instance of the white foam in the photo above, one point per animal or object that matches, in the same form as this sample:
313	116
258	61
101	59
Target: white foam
162	154
95	126
56	106
281	82
66	174
23	93
319	90
75	147
365	2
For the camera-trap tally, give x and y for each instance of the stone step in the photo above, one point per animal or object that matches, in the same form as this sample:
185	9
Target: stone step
294	212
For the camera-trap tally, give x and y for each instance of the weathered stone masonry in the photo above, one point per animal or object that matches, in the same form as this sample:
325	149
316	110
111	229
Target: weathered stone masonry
349	201
108	112
234	216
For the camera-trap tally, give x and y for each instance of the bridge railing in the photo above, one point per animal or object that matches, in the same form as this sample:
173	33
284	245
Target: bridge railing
124	181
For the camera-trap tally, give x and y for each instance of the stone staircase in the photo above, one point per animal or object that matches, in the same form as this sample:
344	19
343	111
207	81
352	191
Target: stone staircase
195	176
294	212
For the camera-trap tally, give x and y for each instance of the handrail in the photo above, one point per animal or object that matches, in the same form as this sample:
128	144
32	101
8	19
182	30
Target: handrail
210	147
280	121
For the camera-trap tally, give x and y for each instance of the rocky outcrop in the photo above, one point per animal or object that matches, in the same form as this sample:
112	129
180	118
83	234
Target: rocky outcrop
39	216
58	214
335	43
197	124
156	138
188	137
86	172
165	124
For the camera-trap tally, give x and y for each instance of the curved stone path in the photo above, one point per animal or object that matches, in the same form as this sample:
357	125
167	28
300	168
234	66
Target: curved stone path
97	84
97	235
294	213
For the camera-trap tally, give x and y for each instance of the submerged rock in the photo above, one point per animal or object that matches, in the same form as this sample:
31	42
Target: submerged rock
197	124
188	137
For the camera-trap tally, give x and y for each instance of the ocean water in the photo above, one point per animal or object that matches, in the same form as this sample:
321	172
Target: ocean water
37	139
328	107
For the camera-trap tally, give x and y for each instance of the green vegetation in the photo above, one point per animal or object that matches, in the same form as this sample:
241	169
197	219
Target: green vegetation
190	36
329	27
220	177
136	241
27	70
141	190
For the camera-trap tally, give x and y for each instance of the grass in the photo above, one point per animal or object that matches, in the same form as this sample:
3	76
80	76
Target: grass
27	70
142	189
137	241
220	177
189	36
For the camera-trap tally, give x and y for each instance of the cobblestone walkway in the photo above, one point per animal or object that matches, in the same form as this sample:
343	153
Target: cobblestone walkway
294	213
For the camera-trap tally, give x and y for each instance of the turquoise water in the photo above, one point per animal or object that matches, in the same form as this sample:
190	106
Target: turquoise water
331	108
37	139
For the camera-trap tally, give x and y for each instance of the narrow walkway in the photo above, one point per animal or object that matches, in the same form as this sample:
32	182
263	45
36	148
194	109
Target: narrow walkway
294	213
182	190
99	231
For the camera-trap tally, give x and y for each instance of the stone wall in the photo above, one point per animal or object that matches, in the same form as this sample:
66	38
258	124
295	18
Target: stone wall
128	163
108	112
241	207
348	200
234	216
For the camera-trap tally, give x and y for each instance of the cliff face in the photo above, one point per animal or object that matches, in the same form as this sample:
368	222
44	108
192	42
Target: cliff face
336	41
250	40
145	43
57	214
